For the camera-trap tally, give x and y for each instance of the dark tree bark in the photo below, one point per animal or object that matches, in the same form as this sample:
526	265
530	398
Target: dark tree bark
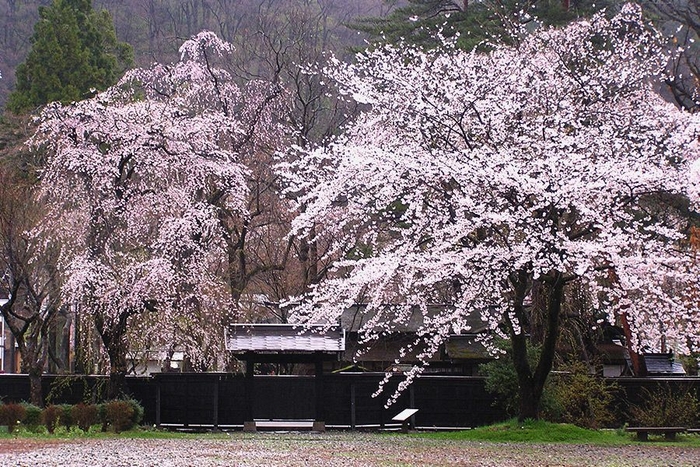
113	334
532	381
27	278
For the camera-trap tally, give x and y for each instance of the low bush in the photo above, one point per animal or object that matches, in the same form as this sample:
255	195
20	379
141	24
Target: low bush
137	416
666	407
581	398
66	417
12	415
85	415
32	416
119	414
51	417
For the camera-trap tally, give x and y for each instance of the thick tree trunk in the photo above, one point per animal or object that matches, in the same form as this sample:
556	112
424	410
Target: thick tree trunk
33	355
113	334
36	396
117	372
33	366
531	383
529	403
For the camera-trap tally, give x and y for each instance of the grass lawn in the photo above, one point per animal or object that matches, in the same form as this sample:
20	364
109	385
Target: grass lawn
544	432
511	431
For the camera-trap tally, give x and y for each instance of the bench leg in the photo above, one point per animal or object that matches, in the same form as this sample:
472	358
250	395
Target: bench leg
670	435
319	426
642	436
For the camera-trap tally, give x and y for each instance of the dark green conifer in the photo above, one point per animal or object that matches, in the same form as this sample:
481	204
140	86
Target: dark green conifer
74	52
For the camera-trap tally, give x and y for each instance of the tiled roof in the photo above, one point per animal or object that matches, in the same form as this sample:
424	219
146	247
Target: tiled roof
356	316
612	352
466	347
663	364
284	338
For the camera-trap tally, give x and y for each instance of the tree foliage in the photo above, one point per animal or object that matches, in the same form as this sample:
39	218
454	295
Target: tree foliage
520	171
74	52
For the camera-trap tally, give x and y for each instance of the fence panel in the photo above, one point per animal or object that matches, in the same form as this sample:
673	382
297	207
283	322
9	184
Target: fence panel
448	401
284	397
209	399
232	400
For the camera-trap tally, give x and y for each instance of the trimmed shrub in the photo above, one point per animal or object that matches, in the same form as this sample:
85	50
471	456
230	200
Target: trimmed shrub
12	415
85	415
119	414
102	415
32	416
666	407
51	417
137	417
66	416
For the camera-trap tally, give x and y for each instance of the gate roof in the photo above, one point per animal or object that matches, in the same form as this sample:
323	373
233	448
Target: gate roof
289	338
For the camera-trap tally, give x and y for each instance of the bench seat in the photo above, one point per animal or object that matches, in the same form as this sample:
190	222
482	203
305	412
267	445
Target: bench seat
669	432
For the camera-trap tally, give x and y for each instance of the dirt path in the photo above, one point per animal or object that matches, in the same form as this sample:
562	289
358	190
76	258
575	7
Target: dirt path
331	449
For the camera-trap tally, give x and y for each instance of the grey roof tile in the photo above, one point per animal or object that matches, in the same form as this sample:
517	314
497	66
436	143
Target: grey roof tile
663	364
284	338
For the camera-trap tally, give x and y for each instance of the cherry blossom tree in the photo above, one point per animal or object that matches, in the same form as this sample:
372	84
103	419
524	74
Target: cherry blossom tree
475	179
135	181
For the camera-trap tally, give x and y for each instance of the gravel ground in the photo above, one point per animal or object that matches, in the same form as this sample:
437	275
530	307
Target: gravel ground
331	449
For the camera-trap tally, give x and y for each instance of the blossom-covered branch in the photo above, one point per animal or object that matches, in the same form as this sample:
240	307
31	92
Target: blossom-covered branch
475	178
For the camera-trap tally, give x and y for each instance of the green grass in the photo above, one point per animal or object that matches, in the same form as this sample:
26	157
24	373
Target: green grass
539	431
96	432
536	432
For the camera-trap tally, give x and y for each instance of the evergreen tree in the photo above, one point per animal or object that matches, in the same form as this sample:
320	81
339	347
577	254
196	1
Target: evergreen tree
419	21
74	51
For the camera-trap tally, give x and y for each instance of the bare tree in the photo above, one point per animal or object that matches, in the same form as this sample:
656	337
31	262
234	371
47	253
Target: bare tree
28	278
681	21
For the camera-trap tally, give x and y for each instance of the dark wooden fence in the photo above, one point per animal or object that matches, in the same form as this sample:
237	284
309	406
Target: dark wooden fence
218	400
208	400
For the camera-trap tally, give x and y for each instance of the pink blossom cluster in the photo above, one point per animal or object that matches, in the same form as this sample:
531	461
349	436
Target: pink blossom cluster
551	155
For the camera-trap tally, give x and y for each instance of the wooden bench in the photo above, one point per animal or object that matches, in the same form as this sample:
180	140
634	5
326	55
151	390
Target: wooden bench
283	424
669	432
404	417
